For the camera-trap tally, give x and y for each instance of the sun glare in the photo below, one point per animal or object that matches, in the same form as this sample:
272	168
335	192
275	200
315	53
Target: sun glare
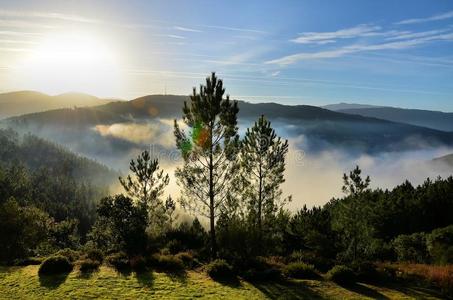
72	62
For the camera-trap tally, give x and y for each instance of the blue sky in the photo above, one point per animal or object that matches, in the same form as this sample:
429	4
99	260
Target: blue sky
397	53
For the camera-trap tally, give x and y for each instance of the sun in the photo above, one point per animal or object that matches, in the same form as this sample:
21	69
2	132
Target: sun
72	62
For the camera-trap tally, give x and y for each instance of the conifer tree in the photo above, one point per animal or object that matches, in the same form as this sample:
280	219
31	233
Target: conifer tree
263	164
352	215
147	185
209	151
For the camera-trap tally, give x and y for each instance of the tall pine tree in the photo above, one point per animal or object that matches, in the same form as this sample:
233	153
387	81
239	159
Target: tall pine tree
263	164
209	151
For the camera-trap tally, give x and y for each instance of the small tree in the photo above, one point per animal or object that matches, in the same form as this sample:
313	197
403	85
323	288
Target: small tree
209	151
352	215
146	186
125	221
263	165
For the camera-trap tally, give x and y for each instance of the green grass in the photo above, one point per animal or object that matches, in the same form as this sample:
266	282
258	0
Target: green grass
24	283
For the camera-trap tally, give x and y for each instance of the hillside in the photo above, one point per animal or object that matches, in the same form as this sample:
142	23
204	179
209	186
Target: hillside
36	153
426	118
446	160
25	102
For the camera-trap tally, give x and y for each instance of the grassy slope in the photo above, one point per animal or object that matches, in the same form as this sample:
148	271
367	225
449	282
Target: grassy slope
24	283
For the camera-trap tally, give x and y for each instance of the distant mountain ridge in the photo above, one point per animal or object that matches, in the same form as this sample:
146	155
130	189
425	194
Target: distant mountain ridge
426	118
343	105
25	102
77	128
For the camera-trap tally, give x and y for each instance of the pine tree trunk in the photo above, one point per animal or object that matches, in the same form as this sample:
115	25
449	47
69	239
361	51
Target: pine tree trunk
212	205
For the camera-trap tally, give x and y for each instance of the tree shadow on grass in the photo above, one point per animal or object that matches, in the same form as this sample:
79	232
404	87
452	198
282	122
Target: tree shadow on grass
180	275
232	282
286	290
416	292
52	281
363	290
145	278
87	274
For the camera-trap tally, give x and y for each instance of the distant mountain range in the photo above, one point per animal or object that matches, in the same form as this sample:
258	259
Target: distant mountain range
25	102
342	105
426	118
109	130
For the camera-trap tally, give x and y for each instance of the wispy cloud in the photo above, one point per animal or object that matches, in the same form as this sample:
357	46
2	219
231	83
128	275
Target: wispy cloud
443	16
331	37
234	29
396	45
23	24
186	29
19	33
412	35
46	15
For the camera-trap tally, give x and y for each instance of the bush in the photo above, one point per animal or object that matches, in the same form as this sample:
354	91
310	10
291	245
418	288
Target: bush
70	254
186	258
440	245
411	248
341	274
367	271
309	257
118	260
219	269
263	269
300	270
138	263
95	254
55	265
29	261
88	265
167	262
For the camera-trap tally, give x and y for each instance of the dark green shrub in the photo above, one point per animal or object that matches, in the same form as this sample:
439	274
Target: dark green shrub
186	258
219	269
166	262
262	269
57	264
70	254
320	263
138	263
440	245
118	260
174	246
270	274
89	265
411	248
366	271
341	274
300	270
29	261
95	254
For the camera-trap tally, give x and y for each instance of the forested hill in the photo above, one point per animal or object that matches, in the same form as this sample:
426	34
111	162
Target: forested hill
36	153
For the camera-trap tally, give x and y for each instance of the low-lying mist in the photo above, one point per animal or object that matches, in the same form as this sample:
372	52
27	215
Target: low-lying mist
314	166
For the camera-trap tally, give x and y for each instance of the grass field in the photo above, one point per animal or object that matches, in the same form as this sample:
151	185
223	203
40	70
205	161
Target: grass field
24	283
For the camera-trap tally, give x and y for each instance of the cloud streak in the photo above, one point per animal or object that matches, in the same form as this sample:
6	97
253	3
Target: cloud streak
331	37
443	16
339	52
46	15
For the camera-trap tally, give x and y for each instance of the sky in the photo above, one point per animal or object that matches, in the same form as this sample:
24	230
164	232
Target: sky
317	52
